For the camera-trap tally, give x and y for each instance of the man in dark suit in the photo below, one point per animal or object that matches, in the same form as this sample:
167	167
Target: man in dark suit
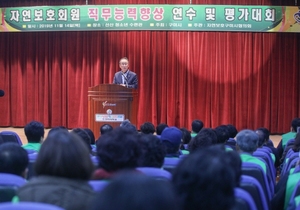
125	77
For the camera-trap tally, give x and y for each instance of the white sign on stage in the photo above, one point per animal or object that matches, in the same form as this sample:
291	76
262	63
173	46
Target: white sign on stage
109	117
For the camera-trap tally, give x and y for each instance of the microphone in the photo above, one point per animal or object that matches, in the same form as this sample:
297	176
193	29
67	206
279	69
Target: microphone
2	93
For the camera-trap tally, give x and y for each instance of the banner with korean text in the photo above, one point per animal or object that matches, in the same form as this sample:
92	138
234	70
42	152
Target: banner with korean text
151	17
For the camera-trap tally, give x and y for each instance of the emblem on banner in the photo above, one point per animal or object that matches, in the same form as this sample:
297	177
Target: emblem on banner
109	111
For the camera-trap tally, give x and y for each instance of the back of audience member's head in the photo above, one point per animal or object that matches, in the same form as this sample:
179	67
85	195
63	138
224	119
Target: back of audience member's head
222	133
105	128
34	132
197	125
295	124
136	191
13	159
232	131
126	124
91	135
266	133
57	128
84	137
205	180
160	127
64	154
153	151
171	139
296	146
247	141
203	139
186	136
147	128
210	133
261	138
118	150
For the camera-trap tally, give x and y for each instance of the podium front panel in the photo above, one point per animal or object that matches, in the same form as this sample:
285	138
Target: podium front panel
110	104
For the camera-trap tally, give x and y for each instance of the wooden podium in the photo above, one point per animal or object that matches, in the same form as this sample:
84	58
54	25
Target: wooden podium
111	104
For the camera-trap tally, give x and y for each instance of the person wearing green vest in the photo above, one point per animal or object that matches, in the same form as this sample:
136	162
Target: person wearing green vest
288	136
247	143
186	138
197	125
284	190
34	132
205	138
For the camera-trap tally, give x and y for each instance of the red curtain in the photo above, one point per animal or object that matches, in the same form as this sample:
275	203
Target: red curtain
246	79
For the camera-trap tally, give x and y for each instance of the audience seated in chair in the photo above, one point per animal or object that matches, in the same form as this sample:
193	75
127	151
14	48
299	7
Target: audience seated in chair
147	128
84	136
205	180
128	126
247	143
197	125
63	168
153	152
105	128
136	191
58	128
117	150
91	135
295	147
13	168
13	159
288	136
265	155
171	139
159	129
232	131
186	138
205	138
222	134
34	132
286	184
269	146
284	190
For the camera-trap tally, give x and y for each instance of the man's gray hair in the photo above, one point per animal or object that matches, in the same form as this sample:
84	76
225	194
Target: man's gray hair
247	140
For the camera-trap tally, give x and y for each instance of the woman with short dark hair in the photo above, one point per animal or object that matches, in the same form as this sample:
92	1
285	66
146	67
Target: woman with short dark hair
63	168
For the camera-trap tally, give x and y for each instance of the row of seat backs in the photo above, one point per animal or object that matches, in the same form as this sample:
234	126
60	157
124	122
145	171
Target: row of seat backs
256	171
244	200
249	196
289	162
271	170
10	136
248	184
254	188
294	202
28	206
9	184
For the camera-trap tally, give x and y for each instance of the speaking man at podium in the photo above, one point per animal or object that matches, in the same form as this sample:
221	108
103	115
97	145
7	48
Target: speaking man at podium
125	77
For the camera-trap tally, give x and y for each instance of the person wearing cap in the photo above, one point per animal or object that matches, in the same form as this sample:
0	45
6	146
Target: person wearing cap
171	139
